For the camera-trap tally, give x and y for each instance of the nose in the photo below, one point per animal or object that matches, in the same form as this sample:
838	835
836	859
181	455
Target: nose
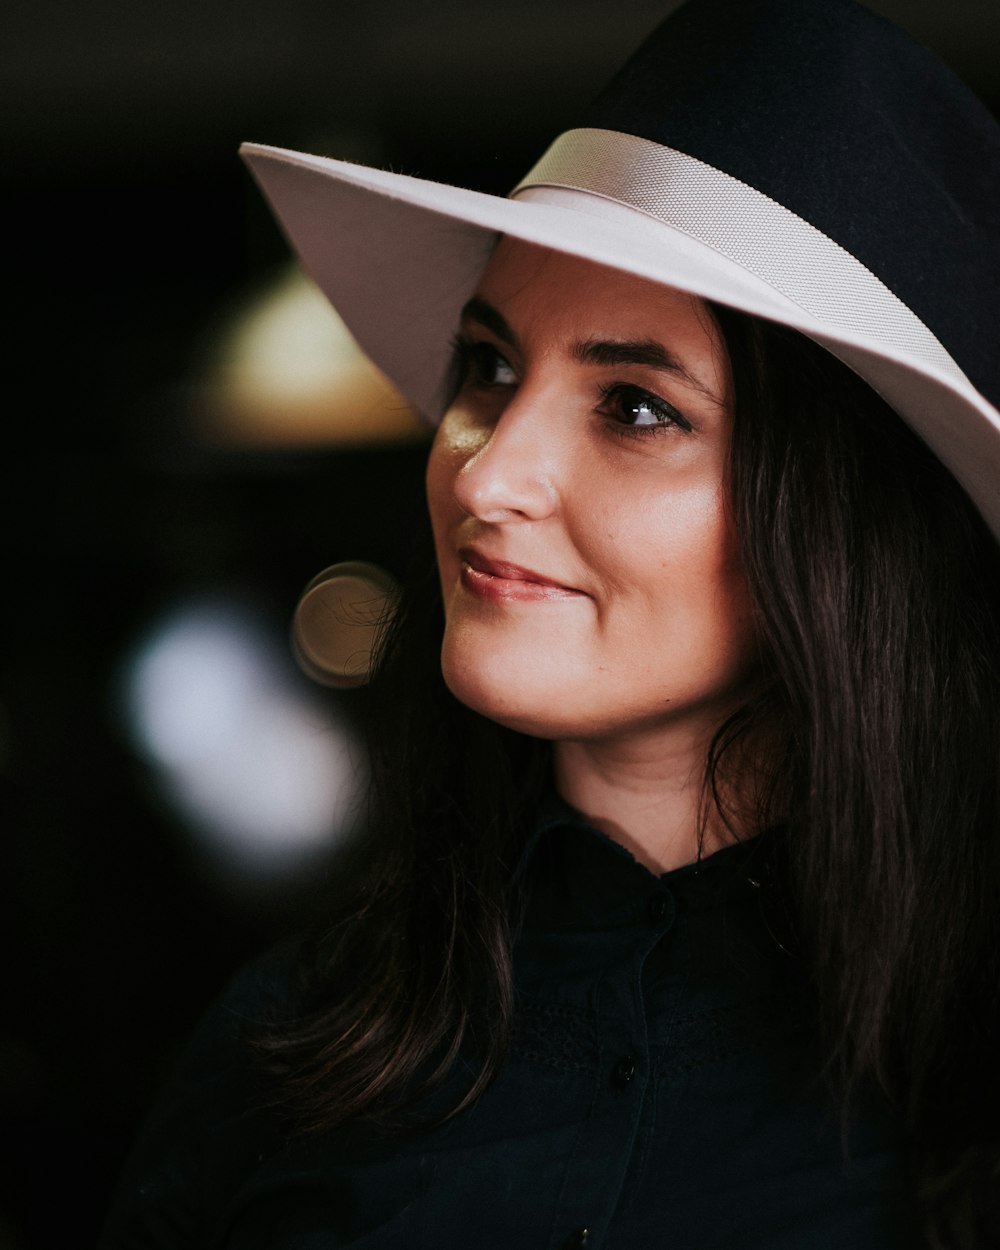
512	472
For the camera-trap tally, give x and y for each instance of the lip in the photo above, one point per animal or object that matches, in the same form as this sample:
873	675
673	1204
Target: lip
500	581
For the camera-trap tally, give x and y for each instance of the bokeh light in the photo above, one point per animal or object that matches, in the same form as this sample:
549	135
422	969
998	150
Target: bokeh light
285	371
262	773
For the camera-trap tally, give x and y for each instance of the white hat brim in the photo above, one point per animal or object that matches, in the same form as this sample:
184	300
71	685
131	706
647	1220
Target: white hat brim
399	257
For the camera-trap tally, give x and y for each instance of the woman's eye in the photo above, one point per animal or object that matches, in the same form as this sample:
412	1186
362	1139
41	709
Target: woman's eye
637	409
480	364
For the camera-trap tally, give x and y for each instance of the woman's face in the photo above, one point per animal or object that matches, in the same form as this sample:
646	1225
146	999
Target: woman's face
577	489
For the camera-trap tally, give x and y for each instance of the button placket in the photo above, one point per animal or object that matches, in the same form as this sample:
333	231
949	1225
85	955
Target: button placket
579	1237
623	1072
597	1177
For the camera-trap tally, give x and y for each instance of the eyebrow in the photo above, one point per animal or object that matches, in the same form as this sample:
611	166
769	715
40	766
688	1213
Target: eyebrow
649	352
606	352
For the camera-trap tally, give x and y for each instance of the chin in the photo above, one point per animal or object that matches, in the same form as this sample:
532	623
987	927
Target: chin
512	701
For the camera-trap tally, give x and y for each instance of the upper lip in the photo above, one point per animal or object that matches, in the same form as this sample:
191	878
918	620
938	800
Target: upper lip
504	568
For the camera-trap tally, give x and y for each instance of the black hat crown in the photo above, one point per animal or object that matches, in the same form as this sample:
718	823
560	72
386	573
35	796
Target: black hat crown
838	115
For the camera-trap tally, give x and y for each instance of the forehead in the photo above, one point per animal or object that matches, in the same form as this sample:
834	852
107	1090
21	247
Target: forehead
544	292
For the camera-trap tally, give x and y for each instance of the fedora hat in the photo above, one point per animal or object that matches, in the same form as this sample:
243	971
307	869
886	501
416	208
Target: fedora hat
801	160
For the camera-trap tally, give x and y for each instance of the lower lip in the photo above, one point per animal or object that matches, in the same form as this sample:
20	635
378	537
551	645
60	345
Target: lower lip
511	590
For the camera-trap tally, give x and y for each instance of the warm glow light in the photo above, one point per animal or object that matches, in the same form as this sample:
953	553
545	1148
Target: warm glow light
288	372
260	771
291	345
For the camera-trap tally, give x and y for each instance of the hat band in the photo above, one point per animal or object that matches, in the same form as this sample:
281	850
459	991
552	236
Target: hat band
771	242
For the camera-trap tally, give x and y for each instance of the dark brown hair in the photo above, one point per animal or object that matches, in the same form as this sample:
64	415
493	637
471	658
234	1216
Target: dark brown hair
877	590
877	587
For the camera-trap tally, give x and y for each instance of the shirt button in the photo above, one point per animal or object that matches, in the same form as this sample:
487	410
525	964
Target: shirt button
578	1238
624	1071
657	908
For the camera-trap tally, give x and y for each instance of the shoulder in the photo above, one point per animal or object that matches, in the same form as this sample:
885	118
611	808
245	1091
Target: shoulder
210	1125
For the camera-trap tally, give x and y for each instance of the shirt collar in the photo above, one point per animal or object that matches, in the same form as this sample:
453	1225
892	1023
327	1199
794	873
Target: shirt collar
567	856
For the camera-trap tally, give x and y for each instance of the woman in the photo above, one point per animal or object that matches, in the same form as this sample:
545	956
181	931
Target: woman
676	924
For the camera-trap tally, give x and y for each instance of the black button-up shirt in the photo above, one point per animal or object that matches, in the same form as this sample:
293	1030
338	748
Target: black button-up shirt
662	1091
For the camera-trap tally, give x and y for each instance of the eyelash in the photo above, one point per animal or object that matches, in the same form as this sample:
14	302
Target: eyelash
472	358
468	358
635	396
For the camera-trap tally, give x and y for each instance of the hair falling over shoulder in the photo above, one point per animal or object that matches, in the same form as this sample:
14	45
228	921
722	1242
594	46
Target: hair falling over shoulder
877	588
415	965
877	592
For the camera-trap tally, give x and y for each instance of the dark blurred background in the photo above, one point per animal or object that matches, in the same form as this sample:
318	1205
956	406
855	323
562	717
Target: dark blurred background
182	456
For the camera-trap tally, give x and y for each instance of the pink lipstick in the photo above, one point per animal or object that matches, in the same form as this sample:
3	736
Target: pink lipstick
498	581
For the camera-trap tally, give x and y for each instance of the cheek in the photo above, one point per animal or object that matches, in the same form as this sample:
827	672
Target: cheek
443	466
456	441
730	610
449	454
676	562
659	541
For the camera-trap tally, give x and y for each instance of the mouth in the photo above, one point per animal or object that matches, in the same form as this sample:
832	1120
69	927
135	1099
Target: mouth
501	581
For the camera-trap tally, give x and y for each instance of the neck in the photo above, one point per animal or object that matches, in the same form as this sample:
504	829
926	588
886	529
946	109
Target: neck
647	796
